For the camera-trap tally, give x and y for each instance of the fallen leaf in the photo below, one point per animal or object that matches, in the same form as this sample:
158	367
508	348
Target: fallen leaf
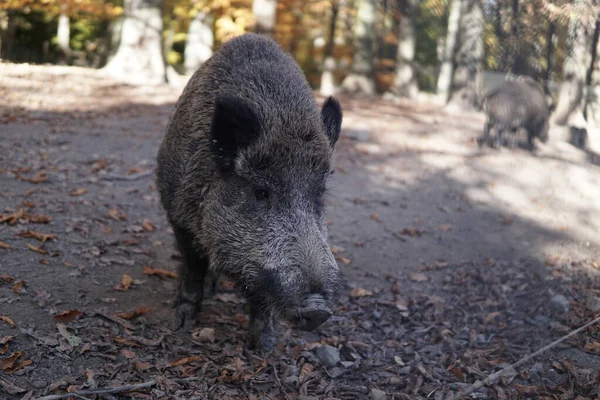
3	350
551	261
141	366
375	217
125	342
446	227
10	388
418	277
37	218
44	261
204	335
360	292
183	361
162	273
343	259
395	289
85	347
592	347
4	245
6	278
40	177
307	369
412	232
126	282
30	192
10	361
133	314
18	366
12	218
7	320
28	204
128	353
457	372
117	215
131	242
36	249
491	316
18	286
68	316
6	339
135	170
73	340
148	225
78	192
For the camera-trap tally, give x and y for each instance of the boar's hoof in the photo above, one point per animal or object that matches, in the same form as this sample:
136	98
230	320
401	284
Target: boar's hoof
312	319
186	316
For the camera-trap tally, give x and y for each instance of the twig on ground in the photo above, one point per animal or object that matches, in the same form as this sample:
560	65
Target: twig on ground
116	389
496	375
132	177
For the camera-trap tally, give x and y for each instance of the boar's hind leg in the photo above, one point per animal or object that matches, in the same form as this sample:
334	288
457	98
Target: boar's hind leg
190	288
261	330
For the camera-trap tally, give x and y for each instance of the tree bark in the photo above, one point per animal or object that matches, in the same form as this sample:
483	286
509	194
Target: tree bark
550	35
405	79
468	73
139	58
362	76
592	106
200	40
8	36
327	77
444	83
571	96
63	35
265	12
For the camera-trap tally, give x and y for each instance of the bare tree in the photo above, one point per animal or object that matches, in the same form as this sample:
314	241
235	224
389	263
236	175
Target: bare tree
139	58
466	85
571	96
444	83
265	12
405	80
592	106
362	75
200	40
329	65
63	33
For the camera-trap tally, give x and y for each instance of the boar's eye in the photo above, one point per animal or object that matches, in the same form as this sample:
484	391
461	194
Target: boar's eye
262	194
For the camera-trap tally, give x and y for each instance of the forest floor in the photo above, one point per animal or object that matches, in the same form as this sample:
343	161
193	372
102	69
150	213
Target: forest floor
459	261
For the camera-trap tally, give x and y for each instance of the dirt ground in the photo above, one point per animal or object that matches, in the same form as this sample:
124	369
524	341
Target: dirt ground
458	261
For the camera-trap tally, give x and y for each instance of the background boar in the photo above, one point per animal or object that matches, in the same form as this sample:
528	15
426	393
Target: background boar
242	175
513	106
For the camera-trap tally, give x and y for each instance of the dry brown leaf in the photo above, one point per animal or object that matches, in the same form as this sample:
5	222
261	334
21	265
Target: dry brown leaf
306	370
418	277
40	177
360	292
126	282
37	218
131	242
343	259
10	361
42	237
375	217
78	192
44	261
12	218
133	314
18	366
6	339
204	335
18	286
141	366
128	353
4	245
162	273
491	316
412	232
125	342
68	316
6	278
183	361
148	225
3	350
30	192
85	347
116	214
135	170
28	204
551	261
446	227
592	347
36	249
457	372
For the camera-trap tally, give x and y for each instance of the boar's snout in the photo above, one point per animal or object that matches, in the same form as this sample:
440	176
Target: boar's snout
312	314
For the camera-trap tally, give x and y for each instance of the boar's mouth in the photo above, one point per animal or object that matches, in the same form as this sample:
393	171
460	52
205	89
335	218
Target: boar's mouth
312	315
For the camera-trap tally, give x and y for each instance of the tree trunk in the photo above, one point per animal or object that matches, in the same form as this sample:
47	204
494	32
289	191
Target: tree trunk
519	63
592	106
139	58
329	65
466	85
8	36
571	97
405	80
200	40
362	75
550	35
63	34
446	71
265	12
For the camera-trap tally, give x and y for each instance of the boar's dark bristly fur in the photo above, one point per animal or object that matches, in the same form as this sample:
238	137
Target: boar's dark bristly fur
242	173
516	105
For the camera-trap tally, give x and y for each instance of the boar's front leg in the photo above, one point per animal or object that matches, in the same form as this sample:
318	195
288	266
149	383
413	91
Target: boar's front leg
190	288
261	330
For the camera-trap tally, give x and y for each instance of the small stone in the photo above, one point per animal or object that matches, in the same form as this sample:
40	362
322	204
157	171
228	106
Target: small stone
559	303
377	394
328	356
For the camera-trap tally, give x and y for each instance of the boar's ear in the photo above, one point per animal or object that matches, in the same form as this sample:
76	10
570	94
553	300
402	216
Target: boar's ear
331	114
234	126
